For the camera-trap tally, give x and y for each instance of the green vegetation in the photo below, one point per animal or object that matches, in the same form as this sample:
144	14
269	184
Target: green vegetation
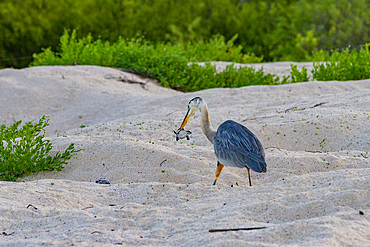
274	30
172	65
203	77
344	66
24	150
341	65
175	65
298	76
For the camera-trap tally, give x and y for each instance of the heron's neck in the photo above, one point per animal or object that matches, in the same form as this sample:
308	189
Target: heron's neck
207	128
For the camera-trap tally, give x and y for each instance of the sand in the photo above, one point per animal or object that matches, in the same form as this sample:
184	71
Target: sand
316	136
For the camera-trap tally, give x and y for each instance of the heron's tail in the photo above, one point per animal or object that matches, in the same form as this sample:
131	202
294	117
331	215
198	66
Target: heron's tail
257	165
263	166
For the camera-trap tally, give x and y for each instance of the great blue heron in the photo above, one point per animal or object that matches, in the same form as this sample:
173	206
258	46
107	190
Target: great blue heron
234	144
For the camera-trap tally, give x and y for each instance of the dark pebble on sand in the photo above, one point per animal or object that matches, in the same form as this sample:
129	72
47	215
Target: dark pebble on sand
102	181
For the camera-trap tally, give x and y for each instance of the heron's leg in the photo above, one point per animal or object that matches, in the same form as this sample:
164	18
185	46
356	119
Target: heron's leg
218	171
249	176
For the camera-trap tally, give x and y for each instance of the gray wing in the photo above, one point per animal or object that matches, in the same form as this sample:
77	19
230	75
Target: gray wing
235	145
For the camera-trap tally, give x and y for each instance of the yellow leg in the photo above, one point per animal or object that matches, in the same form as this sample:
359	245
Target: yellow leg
218	171
249	176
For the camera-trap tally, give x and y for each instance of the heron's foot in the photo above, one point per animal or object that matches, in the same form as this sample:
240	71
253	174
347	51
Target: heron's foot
249	176
218	171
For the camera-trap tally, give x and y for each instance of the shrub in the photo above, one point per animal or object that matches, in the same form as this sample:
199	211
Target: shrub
165	62
218	49
344	66
23	150
175	65
298	76
203	77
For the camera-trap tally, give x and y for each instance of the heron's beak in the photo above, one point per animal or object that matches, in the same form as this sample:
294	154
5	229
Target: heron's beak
188	115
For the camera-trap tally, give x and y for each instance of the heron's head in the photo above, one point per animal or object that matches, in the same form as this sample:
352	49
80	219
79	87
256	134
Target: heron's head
193	106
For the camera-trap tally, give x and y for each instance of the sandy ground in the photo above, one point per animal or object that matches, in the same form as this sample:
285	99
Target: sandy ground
316	136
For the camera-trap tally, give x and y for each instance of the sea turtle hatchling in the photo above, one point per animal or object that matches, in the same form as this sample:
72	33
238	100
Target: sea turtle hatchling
181	134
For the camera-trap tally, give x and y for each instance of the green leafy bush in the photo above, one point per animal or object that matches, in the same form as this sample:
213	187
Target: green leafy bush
218	49
135	50
198	77
344	66
176	66
172	65
23	150
298	76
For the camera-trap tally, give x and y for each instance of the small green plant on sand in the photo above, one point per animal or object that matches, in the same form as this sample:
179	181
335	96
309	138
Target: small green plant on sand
24	150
